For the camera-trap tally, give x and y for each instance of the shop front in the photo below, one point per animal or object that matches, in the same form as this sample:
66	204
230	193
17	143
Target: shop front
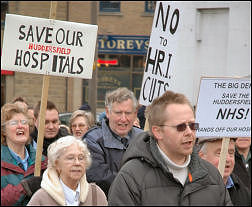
120	63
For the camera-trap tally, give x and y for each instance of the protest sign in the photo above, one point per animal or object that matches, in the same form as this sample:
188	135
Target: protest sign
161	54
48	46
223	111
224	107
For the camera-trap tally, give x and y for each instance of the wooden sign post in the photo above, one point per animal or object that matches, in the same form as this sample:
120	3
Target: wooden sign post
43	105
223	155
146	125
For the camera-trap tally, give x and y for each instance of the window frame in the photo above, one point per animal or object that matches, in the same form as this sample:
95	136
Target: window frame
147	4
109	9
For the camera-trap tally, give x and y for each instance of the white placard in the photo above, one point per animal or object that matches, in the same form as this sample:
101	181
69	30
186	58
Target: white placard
224	108
161	55
47	46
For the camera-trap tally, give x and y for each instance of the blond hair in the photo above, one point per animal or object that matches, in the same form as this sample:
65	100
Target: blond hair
7	112
88	116
155	111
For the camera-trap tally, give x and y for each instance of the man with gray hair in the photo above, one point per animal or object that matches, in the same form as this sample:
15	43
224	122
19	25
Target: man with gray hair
108	142
209	150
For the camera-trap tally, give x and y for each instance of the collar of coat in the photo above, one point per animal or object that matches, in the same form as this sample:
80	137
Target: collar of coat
8	161
111	140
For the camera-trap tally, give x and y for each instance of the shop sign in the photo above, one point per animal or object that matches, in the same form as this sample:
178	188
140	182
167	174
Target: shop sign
119	44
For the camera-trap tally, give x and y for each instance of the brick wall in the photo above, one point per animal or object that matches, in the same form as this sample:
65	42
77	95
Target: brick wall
30	85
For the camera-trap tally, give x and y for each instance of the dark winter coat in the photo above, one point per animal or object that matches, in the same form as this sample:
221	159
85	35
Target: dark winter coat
241	171
106	152
62	132
144	179
12	192
239	193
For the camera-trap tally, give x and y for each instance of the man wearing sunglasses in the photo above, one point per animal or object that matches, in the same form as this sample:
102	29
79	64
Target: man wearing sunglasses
162	167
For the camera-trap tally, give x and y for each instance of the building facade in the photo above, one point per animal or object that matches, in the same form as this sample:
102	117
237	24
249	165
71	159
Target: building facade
123	34
216	41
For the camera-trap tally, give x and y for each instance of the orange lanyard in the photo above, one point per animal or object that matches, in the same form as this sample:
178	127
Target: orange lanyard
190	177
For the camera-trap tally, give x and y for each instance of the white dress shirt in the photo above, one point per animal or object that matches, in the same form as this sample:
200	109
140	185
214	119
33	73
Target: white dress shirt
71	196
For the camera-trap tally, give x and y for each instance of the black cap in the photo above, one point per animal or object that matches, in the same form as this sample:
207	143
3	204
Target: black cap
141	116
85	107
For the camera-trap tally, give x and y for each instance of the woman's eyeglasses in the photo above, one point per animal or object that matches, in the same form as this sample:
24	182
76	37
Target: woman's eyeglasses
81	126
16	122
182	127
72	159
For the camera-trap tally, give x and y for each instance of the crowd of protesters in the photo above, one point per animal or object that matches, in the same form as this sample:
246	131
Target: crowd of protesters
116	160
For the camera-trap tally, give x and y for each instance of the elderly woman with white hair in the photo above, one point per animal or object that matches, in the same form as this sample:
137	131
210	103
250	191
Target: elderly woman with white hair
64	182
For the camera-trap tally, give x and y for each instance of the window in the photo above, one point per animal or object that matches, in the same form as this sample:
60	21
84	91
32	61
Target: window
109	6
4	10
138	63
150	6
127	72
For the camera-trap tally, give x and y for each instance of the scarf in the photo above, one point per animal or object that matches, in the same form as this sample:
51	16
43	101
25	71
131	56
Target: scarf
51	184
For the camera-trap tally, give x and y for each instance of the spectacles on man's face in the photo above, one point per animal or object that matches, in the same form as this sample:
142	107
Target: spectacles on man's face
16	122
182	127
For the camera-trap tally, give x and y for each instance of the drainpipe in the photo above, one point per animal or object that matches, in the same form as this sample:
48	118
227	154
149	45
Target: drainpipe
92	84
66	102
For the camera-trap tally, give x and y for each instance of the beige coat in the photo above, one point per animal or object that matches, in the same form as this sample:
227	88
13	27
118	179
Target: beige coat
51	192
